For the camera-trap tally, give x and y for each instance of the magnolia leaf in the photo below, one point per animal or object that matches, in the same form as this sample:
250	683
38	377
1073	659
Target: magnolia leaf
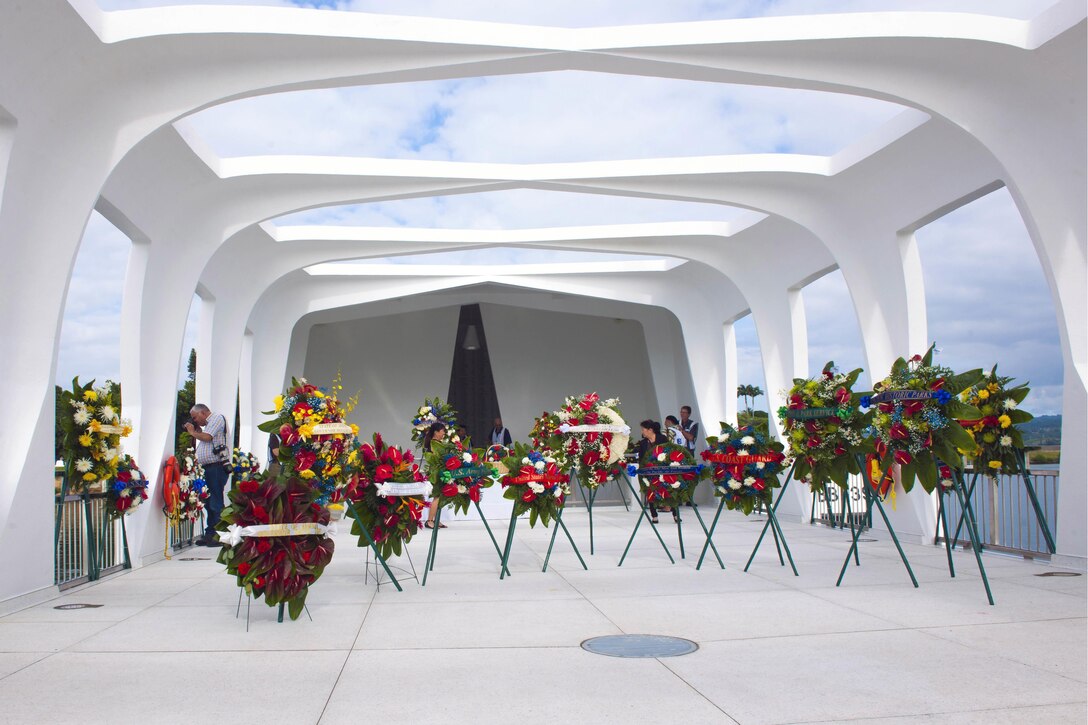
958	383
1019	416
958	437
927	475
907	475
959	410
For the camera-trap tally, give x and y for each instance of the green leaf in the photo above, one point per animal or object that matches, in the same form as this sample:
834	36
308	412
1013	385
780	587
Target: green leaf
959	410
958	383
927	475
958	437
907	475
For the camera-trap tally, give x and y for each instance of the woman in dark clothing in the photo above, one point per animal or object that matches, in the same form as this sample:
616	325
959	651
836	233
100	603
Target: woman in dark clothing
651	436
436	432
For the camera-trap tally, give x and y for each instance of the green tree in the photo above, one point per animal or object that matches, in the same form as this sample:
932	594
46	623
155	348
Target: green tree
749	393
755	418
186	401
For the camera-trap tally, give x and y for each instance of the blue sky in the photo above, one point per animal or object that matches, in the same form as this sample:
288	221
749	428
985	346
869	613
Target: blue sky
574	116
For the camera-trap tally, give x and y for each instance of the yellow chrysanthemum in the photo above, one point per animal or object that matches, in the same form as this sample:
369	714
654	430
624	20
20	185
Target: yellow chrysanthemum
126	431
318	394
992	387
94	426
90	396
983	394
278	402
994	464
353	456
89	476
306	474
1004	420
330	472
85	440
354	429
306	430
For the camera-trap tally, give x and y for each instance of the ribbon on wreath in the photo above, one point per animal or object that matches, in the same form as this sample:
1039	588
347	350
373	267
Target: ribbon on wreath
733	459
941	396
390	489
633	470
235	533
525	476
597	428
814	413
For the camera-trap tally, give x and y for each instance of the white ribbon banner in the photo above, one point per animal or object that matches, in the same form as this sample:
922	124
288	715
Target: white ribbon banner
599	428
328	429
114	430
389	488
235	533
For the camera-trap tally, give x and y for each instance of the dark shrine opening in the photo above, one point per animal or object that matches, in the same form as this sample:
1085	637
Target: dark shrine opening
472	386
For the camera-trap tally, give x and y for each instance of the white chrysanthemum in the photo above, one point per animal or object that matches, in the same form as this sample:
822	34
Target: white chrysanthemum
136	475
126	493
661	457
466	457
1006	440
748	440
83	465
761	465
424	410
525	461
549	460
539	465
735	484
674	464
676	485
81	416
536	487
749	481
559	493
107	414
946	482
1009	404
461	488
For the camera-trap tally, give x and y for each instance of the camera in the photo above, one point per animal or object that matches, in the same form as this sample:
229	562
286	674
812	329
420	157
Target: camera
220	452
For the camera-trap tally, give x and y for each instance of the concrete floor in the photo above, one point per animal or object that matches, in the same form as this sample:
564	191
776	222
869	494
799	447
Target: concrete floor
773	648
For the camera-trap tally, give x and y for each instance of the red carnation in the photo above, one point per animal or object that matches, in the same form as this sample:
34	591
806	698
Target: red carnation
259	582
243	568
263	546
946	472
259	513
248	486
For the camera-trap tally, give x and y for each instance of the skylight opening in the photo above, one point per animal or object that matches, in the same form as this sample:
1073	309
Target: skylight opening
595	13
565	116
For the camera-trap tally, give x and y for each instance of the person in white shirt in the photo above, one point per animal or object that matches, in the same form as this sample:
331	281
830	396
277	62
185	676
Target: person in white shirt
500	436
689	427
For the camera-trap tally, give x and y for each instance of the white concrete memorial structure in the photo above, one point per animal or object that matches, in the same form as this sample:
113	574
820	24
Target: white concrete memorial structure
91	117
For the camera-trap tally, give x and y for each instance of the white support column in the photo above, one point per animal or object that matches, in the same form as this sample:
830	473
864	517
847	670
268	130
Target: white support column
205	370
706	356
729	344
246	422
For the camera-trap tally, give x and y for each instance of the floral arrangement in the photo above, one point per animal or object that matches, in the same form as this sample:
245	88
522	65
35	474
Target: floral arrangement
93	430
495	455
277	563
915	418
245	465
547	439
391	519
594	437
192	489
129	488
995	432
457	474
315	441
825	428
668	475
535	483
745	466
434	411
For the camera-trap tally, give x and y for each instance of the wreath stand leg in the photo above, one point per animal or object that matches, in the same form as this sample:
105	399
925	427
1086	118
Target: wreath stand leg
623	497
942	523
428	566
959	522
60	516
870	499
709	540
483	518
92	553
573	473
972	529
776	529
1021	461
710	534
646	514
504	570
372	545
848	515
124	541
555	529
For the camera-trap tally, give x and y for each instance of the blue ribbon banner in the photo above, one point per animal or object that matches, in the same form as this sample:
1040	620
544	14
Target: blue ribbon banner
942	396
809	413
663	470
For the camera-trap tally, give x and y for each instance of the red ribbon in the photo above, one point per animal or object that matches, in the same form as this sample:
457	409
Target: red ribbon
732	458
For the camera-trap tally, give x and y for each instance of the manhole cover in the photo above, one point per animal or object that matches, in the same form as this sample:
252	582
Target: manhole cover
639	645
1059	573
77	606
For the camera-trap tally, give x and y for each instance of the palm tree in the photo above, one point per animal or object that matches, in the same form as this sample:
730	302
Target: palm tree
749	392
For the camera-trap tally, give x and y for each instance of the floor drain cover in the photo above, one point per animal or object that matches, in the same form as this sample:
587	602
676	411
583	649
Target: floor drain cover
1059	573
639	645
77	606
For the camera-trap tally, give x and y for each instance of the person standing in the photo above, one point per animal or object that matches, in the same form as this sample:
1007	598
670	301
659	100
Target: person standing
651	437
500	436
436	432
689	428
672	430
210	432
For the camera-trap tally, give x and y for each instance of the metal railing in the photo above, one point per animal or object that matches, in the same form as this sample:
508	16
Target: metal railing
88	542
830	510
1006	518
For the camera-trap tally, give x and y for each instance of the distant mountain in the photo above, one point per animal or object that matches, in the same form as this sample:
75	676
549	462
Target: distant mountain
1044	430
